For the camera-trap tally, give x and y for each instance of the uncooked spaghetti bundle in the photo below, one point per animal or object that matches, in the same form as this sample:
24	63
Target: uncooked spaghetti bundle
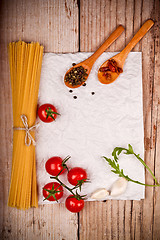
25	61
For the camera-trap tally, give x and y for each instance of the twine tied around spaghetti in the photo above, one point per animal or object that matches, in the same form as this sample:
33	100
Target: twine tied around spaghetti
28	138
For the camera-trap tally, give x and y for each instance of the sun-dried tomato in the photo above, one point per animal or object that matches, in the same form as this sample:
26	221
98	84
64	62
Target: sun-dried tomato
120	70
111	67
107	75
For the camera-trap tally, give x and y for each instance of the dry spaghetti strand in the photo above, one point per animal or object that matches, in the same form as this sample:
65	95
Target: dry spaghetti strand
25	60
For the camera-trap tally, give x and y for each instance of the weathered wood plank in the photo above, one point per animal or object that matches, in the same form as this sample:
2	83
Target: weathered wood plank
117	211
127	219
136	206
94	24
55	25
149	115
94	213
156	121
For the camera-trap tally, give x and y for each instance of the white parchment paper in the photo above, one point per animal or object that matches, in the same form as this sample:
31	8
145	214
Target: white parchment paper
92	125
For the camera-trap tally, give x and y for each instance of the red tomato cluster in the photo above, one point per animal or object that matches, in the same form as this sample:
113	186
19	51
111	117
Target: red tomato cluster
55	166
54	191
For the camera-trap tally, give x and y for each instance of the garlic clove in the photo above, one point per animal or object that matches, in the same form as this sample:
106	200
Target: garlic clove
119	187
100	194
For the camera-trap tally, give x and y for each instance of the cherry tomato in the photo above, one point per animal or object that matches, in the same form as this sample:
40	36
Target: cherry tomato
74	205
54	166
47	113
54	194
76	174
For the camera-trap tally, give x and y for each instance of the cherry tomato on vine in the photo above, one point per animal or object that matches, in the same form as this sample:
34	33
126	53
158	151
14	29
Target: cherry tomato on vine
76	174
73	204
47	113
52	191
54	165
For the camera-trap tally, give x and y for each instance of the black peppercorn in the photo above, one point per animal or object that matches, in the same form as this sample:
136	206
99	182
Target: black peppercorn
74	97
92	93
70	91
76	76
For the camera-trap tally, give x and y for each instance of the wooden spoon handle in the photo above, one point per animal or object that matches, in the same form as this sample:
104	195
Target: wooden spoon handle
142	31
91	60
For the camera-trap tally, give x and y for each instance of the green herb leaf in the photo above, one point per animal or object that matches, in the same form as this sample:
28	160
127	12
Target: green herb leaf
64	162
114	164
50	113
116	152
130	148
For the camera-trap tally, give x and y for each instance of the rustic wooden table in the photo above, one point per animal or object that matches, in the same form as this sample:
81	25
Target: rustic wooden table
71	26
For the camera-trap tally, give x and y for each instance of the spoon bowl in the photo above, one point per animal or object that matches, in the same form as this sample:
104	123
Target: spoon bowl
88	63
121	57
113	75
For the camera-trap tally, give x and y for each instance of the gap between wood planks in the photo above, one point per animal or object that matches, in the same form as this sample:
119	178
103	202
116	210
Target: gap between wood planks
79	49
79	26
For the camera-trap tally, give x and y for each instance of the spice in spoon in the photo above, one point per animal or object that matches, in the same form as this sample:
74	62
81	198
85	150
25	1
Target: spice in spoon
76	76
111	67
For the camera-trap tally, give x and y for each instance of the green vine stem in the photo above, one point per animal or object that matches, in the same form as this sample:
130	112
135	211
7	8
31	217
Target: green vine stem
77	196
79	184
65	186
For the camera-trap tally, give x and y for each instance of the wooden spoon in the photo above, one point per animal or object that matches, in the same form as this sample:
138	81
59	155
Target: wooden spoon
121	57
88	63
